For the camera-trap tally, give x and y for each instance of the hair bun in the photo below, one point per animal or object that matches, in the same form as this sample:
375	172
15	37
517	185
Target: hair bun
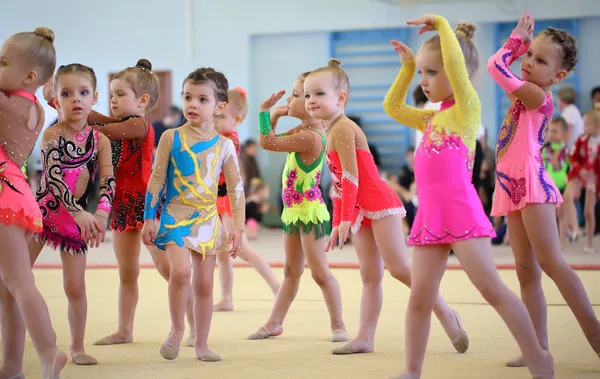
144	64
45	33
336	63
466	29
242	92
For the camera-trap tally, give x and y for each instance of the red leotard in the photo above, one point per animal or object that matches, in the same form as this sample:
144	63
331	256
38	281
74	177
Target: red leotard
223	204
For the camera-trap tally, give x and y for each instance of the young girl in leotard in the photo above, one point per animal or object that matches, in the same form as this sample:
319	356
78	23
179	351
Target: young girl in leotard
443	163
189	161
72	154
27	61
133	91
226	124
524	191
306	221
365	204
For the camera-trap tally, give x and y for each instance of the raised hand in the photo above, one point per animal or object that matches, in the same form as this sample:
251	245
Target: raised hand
266	105
525	27
406	54
427	20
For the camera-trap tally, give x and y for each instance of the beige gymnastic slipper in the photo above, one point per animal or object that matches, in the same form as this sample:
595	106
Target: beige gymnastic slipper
189	342
83	359
349	349
108	340
339	336
264	333
517	362
169	351
208	356
460	340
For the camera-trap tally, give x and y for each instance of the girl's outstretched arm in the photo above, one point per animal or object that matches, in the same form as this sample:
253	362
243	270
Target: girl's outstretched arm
530	94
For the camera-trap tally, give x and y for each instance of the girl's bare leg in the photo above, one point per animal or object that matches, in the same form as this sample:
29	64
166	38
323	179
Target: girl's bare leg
563	224
127	247
529	274
13	335
428	267
543	236
390	242
371	272
571	195
478	262
161	262
74	284
179	284
322	275
203	300
261	266
590	220
226	269
17	277
292	271
12	325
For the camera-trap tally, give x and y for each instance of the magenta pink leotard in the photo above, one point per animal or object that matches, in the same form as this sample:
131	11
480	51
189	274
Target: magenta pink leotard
521	177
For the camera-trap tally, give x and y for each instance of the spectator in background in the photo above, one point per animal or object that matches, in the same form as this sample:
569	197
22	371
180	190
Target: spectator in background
250	168
173	119
571	114
372	148
256	206
595	96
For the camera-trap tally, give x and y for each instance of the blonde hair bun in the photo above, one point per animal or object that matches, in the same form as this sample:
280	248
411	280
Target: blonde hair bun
45	33
466	29
336	63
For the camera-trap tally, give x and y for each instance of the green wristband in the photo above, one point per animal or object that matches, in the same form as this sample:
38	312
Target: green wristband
264	123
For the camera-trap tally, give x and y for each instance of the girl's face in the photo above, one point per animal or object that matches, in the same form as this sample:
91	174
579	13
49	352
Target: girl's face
76	96
590	125
541	65
434	81
296	101
200	104
323	99
14	74
227	121
123	101
556	133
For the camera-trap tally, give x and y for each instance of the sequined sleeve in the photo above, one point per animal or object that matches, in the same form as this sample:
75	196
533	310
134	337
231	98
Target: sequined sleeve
132	128
157	182
107	179
395	105
467	110
235	186
344	143
98	118
52	148
302	142
498	64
